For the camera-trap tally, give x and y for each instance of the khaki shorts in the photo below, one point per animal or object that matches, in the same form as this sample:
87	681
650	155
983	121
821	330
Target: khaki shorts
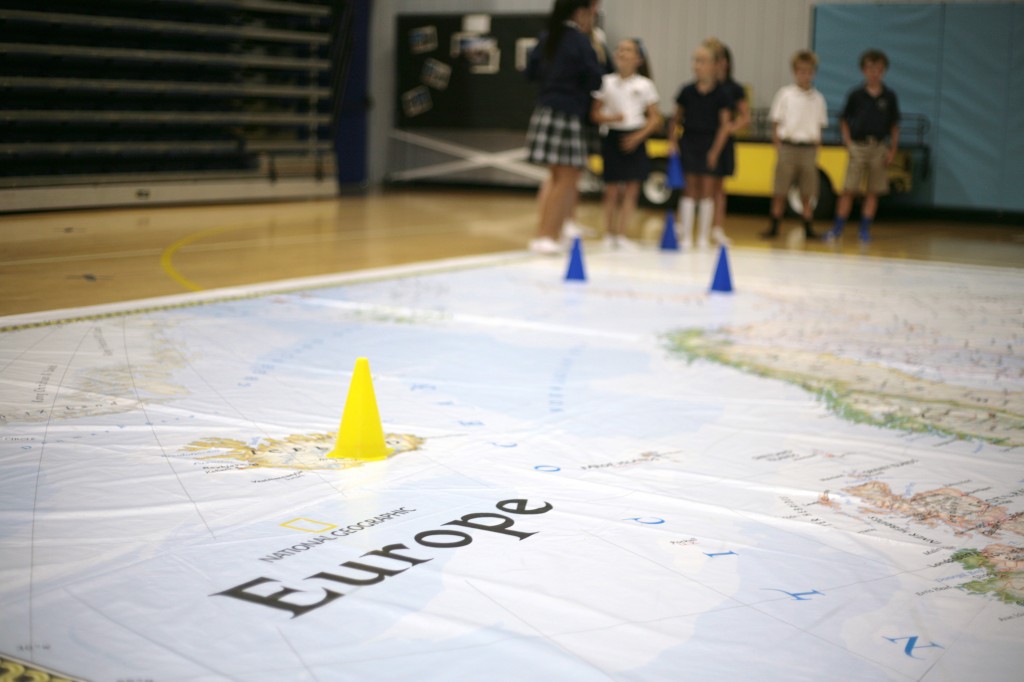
797	164
867	164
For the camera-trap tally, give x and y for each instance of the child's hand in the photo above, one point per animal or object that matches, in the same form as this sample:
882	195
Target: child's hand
712	160
630	142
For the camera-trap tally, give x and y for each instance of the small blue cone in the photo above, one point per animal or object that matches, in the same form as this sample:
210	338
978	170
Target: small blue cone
676	179
722	281
668	237
575	272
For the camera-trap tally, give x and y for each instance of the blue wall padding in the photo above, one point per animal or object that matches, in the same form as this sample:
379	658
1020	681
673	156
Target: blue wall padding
1013	159
962	66
971	136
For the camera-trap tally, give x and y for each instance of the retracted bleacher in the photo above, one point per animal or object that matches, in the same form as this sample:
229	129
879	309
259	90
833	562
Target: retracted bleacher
119	102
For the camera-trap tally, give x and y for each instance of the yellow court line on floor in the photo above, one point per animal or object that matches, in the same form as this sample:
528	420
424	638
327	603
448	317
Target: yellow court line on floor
167	257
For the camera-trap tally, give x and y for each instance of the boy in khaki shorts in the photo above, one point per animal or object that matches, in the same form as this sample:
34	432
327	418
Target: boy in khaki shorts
870	125
798	114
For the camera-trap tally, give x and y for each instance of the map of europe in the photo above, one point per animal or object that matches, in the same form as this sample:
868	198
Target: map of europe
623	478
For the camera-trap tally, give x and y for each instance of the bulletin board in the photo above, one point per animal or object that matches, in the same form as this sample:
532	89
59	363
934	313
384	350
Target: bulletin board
464	71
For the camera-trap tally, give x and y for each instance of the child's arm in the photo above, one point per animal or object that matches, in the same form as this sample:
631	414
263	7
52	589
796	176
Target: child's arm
894	142
635	139
844	130
598	116
776	140
673	129
742	116
720	137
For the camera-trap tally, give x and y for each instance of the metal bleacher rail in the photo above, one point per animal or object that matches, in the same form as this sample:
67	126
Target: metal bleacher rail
122	102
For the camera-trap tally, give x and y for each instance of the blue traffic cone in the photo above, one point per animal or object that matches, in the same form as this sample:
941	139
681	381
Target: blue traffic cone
575	271
676	179
723	280
668	237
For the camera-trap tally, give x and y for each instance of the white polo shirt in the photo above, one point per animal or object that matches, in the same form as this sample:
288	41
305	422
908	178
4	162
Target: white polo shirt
630	97
800	114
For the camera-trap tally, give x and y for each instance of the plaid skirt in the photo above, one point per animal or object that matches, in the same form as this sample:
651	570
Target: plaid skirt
556	138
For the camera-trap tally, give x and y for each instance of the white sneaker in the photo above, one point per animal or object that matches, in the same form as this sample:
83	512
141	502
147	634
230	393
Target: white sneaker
718	236
545	246
572	229
625	244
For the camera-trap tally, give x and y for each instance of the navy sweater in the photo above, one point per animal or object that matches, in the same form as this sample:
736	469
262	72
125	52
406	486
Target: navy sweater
567	80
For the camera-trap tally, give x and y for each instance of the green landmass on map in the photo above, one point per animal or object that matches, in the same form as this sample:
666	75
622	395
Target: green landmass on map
1005	572
865	392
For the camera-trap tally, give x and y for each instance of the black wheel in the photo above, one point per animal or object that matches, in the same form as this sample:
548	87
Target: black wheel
824	204
825	209
655	191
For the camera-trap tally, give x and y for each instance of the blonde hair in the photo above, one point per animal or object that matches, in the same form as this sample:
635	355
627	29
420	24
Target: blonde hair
721	52
715	46
804	57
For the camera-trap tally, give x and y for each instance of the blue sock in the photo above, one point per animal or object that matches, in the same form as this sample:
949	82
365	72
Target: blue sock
837	228
865	223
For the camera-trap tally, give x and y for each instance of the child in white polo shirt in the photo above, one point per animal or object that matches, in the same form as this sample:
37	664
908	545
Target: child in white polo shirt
626	107
798	115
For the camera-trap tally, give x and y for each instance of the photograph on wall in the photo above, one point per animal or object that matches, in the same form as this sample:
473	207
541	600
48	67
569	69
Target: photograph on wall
523	48
457	40
436	74
481	53
423	39
416	101
476	23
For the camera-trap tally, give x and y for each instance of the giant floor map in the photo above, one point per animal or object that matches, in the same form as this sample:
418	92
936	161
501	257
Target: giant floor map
817	476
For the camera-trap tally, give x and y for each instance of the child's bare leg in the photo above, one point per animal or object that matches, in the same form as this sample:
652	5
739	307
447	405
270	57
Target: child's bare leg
630	194
778	207
843	207
612	194
558	201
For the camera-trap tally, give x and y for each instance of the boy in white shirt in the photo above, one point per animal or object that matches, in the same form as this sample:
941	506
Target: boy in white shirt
798	115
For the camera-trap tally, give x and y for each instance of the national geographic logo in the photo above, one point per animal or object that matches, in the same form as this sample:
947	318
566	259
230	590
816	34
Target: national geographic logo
313	526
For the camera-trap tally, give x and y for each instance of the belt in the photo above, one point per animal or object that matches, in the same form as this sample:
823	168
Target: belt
800	144
870	139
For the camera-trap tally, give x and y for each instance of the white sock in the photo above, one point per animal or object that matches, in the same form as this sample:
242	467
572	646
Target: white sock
706	209
687	207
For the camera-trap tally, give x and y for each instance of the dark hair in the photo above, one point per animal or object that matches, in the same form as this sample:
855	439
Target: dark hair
727	55
874	56
645	65
561	13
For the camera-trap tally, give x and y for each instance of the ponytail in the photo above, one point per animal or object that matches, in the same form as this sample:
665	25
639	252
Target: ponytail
560	13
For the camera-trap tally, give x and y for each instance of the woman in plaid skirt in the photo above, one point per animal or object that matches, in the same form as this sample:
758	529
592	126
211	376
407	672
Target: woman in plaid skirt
565	64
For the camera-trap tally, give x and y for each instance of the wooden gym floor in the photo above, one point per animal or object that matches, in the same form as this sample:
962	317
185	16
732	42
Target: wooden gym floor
68	259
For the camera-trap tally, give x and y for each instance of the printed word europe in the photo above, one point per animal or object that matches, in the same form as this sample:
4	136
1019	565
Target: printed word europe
394	562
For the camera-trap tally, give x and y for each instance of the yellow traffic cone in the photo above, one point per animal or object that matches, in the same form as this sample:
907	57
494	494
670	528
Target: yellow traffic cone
360	435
